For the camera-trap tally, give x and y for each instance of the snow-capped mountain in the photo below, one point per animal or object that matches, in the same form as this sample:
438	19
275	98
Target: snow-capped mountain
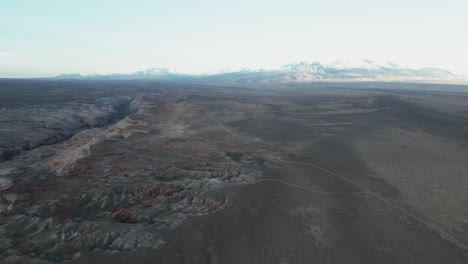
345	70
299	72
362	64
153	72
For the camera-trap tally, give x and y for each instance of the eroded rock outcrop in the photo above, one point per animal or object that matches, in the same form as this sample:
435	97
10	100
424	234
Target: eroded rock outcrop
114	188
26	128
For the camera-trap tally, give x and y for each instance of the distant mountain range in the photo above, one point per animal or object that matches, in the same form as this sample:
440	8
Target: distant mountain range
153	73
300	72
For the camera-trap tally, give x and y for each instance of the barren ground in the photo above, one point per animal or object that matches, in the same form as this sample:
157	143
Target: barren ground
149	172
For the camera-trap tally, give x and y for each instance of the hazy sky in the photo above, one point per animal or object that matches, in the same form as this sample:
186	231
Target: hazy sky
46	37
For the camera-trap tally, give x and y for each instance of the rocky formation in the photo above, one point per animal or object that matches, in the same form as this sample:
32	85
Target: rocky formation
111	188
29	127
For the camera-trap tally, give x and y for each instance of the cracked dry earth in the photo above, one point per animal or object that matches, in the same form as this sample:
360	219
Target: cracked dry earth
114	188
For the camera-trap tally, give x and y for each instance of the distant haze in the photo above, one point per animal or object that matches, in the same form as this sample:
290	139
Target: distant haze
48	38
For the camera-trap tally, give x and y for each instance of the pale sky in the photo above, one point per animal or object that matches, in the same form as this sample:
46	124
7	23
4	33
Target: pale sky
49	37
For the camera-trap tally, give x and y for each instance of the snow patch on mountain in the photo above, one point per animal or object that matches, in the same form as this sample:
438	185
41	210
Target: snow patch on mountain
299	72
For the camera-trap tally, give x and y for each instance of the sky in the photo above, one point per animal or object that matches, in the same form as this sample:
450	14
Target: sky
50	37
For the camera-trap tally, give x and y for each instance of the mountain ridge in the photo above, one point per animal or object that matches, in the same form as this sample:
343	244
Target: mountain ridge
298	72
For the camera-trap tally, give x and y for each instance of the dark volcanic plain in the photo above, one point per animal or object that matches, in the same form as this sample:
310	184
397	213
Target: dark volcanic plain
167	172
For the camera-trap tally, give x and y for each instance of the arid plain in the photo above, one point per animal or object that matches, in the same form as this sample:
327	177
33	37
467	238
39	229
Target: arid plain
166	172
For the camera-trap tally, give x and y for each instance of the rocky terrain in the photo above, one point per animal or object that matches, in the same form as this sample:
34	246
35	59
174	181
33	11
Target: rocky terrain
29	127
145	172
110	187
